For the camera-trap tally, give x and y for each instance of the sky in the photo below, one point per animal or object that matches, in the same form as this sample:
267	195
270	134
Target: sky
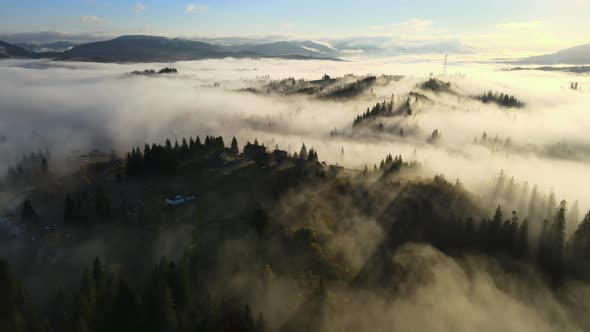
518	25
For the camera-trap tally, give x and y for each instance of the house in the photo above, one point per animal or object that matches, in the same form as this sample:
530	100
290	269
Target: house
280	156
8	227
179	200
254	151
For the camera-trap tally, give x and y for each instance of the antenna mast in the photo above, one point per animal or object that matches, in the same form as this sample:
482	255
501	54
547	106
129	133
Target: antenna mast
445	66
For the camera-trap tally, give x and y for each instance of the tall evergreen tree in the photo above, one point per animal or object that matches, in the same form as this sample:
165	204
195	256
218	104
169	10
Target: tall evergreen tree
303	152
235	150
44	165
533	204
523	238
28	213
580	241
558	227
551	204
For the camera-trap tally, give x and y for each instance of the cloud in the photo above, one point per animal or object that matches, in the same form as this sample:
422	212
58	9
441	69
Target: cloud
354	52
105	116
414	25
192	8
139	8
286	25
93	20
324	43
43	37
520	26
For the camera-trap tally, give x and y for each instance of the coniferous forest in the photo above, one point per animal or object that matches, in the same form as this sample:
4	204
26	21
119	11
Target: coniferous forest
263	236
262	191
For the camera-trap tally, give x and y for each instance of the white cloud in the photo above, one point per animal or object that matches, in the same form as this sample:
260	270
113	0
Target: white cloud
520	26
93	20
415	25
192	8
139	8
352	52
326	44
310	49
286	25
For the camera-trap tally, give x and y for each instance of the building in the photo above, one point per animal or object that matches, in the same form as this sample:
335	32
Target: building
8	227
254	151
280	155
179	200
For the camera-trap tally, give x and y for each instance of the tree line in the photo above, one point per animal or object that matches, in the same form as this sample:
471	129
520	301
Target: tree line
104	301
164	159
500	99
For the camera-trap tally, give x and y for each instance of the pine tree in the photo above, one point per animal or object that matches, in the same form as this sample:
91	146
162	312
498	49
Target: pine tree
580	241
499	189
28	213
523	238
184	149
303	152
167	318
234	147
558	227
191	144
551	204
573	216
495	231
44	165
533	204
198	144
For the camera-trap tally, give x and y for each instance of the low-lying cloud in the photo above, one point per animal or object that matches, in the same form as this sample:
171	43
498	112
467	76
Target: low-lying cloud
72	107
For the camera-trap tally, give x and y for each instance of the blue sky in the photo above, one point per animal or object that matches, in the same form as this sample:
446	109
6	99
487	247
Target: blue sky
539	22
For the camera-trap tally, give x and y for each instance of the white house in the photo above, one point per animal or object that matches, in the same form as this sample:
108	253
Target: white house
179	200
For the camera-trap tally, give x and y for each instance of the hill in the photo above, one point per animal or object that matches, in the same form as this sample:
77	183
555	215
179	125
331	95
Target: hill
12	51
579	55
153	48
142	49
58	46
286	48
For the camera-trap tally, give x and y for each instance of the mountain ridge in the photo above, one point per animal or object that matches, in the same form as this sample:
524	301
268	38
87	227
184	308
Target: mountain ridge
145	48
577	55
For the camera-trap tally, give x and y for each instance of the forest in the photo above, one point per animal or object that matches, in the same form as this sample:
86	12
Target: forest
277	235
278	195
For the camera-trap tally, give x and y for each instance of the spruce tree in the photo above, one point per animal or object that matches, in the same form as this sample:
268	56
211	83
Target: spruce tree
303	152
234	147
28	213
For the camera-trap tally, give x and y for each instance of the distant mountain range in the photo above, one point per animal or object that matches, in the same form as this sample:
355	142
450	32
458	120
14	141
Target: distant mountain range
12	51
579	55
137	48
286	48
59	46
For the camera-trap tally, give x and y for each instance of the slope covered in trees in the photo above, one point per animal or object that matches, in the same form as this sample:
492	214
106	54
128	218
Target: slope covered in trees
501	99
262	221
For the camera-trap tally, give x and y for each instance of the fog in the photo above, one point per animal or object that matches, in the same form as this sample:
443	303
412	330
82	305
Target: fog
441	293
70	108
